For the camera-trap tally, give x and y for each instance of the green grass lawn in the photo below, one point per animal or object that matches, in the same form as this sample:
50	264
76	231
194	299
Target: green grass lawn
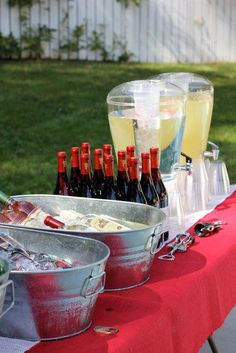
51	106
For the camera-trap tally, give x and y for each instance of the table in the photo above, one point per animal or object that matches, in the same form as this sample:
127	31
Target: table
182	304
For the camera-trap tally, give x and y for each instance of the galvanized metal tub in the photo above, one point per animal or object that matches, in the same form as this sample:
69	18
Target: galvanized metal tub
132	251
55	304
4	283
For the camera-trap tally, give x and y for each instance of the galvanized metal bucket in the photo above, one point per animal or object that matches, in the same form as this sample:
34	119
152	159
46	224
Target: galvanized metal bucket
132	251
4	283
55	304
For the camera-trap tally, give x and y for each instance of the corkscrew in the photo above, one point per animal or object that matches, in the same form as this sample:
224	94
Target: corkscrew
181	244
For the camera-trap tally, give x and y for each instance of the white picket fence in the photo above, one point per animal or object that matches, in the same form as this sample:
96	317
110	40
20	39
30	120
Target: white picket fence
166	31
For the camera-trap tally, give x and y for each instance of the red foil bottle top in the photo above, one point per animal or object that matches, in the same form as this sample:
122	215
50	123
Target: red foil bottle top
85	147
107	148
108	165
84	161
154	151
122	165
145	162
97	158
53	223
75	157
61	162
130	153
133	171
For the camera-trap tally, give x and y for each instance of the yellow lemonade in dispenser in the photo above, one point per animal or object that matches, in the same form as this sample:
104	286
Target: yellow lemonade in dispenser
199	107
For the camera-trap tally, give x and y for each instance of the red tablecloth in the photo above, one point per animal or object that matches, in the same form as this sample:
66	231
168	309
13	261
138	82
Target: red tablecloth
177	309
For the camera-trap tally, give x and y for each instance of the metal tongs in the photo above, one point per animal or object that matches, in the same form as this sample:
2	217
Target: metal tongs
181	244
7	242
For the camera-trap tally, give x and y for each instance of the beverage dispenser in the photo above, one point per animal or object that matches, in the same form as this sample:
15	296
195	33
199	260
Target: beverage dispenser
145	114
199	106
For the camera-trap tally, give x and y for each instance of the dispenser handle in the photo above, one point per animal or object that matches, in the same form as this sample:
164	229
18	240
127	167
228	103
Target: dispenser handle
214	153
188	164
188	158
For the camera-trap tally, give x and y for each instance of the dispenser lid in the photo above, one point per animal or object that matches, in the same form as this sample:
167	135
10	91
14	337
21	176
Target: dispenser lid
128	93
188	81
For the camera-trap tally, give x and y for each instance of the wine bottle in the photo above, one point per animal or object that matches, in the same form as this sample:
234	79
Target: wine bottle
20	212
110	190
159	186
122	176
130	150
98	174
146	181
107	149
134	192
75	171
86	185
62	185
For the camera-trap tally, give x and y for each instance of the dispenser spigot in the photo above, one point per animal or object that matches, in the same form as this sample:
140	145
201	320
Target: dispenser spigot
214	153
188	167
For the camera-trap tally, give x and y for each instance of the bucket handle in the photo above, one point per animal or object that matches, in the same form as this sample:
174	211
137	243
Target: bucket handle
155	241
11	285
85	293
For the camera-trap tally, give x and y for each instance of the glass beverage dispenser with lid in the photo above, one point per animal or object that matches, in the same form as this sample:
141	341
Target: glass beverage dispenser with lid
148	113
199	106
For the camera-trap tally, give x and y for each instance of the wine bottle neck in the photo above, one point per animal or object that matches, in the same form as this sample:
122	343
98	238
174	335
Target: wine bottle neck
62	176
5	199
84	167
98	174
133	172
108	168
122	174
97	162
75	160
53	223
156	173
154	152
61	164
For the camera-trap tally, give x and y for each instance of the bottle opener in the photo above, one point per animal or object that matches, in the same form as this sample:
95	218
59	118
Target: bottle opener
205	229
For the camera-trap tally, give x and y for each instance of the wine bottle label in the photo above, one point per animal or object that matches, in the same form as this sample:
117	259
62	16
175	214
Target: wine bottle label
101	223
35	219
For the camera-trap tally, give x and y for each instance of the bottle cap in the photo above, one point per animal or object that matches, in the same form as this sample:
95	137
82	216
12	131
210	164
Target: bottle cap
107	148
130	150
85	147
